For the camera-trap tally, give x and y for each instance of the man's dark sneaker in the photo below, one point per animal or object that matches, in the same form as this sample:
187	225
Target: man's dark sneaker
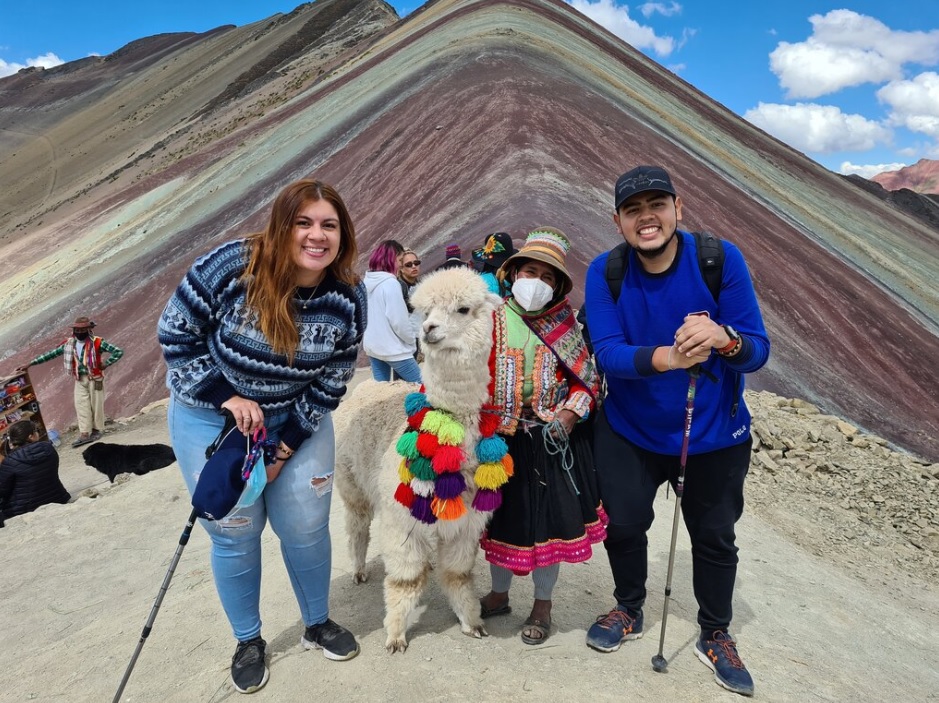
248	671
611	630
336	641
95	435
719	652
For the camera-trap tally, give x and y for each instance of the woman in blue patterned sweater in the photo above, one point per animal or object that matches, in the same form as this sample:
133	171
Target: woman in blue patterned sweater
269	327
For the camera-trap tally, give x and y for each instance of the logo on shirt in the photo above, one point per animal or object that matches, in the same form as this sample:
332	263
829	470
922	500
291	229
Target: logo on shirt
738	433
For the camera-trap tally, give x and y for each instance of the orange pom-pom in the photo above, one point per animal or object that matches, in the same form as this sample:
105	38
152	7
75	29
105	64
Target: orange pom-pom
404	495
447	459
427	444
509	465
449	509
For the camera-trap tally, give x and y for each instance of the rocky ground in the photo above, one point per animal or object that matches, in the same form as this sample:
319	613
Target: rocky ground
839	491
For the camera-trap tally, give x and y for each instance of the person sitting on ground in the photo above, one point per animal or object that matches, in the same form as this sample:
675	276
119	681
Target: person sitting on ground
83	362
390	339
494	252
29	474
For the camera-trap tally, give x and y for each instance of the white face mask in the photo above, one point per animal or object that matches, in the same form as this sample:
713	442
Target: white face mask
532	293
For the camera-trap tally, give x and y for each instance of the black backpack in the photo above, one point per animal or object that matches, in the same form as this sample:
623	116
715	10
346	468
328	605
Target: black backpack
710	261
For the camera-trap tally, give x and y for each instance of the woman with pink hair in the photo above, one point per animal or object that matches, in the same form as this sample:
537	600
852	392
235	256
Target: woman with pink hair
390	338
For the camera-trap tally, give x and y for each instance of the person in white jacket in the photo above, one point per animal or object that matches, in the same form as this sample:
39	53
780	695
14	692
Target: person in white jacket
390	340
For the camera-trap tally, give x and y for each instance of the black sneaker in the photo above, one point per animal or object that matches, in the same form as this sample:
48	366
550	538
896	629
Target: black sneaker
336	641
719	652
248	671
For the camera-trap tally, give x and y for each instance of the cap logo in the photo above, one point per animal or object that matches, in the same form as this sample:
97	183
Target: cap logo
642	182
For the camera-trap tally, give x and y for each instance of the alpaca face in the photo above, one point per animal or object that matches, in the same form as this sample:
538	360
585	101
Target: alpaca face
457	310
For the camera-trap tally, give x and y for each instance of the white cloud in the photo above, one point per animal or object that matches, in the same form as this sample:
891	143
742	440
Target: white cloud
869	170
820	129
45	61
616	19
914	103
650	8
848	49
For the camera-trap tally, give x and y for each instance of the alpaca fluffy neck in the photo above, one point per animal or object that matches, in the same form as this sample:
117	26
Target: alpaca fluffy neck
457	384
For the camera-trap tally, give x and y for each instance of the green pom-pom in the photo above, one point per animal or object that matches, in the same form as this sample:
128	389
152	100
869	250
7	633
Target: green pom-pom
432	421
407	445
422	469
451	432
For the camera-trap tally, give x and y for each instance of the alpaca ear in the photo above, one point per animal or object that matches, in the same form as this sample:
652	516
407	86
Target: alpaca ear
494	300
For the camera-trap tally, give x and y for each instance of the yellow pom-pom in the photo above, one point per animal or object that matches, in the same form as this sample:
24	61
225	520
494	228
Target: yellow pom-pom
403	472
491	475
451	432
448	509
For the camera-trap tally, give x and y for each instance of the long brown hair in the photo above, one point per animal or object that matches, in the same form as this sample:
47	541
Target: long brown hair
269	276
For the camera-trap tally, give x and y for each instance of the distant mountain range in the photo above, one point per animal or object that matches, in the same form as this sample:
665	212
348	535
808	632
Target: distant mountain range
921	177
466	117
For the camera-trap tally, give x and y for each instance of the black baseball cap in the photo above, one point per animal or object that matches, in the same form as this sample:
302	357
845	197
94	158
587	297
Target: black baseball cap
640	180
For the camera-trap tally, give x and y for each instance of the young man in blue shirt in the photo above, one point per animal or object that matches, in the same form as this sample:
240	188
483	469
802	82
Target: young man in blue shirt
665	321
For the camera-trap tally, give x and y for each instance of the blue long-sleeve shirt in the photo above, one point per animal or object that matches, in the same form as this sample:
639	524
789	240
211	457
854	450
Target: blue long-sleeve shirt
648	407
214	348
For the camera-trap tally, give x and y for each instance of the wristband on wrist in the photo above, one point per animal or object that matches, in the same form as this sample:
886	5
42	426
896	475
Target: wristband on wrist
668	359
285	449
733	346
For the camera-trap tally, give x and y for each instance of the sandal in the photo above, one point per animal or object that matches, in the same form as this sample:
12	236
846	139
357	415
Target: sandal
82	439
540	631
485	612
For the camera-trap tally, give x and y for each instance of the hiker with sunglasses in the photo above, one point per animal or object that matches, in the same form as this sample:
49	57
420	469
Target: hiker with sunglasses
648	329
268	327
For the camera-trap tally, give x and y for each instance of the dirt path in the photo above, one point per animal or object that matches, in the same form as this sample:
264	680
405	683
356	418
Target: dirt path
79	581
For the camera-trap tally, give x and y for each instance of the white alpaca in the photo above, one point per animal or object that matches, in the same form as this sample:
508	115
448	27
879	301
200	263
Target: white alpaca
456	338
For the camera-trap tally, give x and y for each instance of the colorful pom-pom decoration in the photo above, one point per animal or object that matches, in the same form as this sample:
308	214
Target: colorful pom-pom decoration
487	501
432	485
407	445
421	469
404	495
447	459
415	402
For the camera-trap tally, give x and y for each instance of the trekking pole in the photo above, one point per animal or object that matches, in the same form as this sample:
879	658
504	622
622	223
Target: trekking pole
183	539
659	662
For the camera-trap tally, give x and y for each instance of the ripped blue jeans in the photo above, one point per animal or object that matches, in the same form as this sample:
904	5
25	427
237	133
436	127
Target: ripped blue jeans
296	503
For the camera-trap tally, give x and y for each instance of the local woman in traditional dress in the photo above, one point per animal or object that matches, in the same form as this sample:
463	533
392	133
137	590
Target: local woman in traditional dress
545	386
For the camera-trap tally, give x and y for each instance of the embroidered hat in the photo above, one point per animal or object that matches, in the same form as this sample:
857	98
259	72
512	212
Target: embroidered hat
83	322
549	246
640	180
495	250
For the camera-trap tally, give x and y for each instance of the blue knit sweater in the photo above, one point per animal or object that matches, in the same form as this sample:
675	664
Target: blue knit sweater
647	407
214	348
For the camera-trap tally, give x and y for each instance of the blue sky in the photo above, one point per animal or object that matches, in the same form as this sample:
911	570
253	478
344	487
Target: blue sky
854	84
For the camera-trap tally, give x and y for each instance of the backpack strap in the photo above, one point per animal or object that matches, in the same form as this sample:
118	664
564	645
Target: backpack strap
710	261
616	264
